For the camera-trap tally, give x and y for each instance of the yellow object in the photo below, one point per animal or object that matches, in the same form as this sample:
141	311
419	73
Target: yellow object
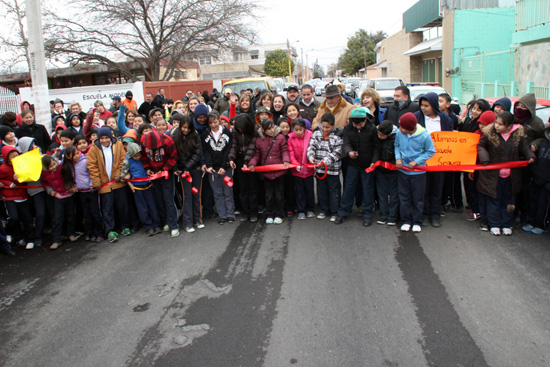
28	166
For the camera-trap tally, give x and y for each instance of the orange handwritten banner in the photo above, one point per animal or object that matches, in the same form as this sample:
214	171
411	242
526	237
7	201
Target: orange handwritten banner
454	148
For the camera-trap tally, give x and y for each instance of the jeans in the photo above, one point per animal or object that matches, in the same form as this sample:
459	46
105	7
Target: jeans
64	212
497	208
353	175
223	194
472	196
433	193
192	202
19	212
91	213
305	194
388	200
116	198
411	190
164	191
329	191
290	198
146	205
248	183
39	205
538	208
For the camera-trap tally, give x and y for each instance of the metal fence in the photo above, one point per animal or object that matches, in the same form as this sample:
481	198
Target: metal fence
531	13
9	101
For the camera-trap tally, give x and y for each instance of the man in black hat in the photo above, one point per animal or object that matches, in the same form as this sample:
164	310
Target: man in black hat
335	104
115	104
293	93
129	102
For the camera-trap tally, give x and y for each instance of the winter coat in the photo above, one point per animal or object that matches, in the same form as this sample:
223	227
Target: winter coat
96	165
364	141
492	148
81	174
53	181
277	155
341	114
222	104
159	101
242	147
309	112
327	150
394	113
386	149
25	145
6	177
159	152
216	153
38	132
541	168
419	148
445	121
297	149
533	127
187	159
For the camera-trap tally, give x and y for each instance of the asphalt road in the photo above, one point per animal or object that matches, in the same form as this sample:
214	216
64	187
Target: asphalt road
304	293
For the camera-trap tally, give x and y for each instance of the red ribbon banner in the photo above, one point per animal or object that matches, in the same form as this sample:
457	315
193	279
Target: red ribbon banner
463	167
280	167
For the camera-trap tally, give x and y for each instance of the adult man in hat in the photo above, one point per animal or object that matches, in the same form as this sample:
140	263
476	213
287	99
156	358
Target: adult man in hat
117	101
293	93
342	87
335	104
129	102
222	104
361	147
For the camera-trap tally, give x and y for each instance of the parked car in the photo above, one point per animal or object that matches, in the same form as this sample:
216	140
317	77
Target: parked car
542	108
385	87
363	84
320	86
418	90
351	84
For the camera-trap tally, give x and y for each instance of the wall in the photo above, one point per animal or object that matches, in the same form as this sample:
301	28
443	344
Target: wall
392	49
480	31
448	45
532	65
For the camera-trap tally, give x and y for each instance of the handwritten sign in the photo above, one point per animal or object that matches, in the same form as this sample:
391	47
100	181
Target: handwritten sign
28	166
454	148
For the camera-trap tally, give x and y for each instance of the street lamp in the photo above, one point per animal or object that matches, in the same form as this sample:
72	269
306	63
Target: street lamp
289	62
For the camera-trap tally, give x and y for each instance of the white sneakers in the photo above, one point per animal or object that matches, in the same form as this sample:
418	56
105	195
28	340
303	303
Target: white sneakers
407	227
417	228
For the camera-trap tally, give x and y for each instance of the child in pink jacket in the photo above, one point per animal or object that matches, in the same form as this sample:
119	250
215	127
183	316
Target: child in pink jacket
298	141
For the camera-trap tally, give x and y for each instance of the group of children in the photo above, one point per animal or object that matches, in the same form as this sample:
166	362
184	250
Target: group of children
96	182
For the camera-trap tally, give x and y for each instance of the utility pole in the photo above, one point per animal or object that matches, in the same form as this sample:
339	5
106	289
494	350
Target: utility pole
302	68
289	67
364	56
39	90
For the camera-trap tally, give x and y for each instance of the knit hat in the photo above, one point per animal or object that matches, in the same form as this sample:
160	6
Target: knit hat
5	130
132	149
486	118
201	109
105	131
408	121
129	94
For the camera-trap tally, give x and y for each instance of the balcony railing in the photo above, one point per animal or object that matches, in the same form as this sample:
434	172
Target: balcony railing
531	13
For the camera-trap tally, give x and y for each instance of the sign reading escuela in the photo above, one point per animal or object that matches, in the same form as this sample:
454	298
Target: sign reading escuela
453	148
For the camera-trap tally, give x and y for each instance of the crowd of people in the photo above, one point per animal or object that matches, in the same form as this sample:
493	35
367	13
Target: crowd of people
110	172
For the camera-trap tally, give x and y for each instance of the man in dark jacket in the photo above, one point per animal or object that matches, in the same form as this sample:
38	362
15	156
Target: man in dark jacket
361	147
222	104
146	106
432	119
308	104
160	100
401	105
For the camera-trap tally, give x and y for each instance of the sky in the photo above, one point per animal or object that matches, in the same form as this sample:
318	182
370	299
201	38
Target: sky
321	29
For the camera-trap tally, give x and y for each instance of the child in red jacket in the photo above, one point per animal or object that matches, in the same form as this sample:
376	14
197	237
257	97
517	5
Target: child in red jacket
271	148
15	198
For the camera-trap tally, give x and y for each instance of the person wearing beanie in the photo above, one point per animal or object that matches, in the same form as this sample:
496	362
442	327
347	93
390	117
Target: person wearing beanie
104	162
200	118
361	148
144	195
129	102
386	180
413	147
432	119
501	105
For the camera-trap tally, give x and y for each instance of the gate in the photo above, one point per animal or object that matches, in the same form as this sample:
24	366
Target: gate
9	101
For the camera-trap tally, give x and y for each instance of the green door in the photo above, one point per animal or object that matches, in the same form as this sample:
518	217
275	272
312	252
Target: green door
425	70
440	69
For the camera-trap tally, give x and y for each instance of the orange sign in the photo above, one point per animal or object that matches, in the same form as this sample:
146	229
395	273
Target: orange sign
453	148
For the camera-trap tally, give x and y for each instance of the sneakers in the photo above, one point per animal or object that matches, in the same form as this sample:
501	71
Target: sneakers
200	225
484	226
75	237
237	212
126	232
150	232
436	223
166	228
391	223
507	231
221	221
157	230
321	215
55	245
269	221
175	233
231	219
337	219
112	237
289	214
538	230
381	221
278	220
301	216
367	222
30	246
495	231
244	218
310	214
528	228
253	218
189	229
99	239
405	227
417	228
473	216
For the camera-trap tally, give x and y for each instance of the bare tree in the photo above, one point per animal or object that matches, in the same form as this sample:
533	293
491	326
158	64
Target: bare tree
150	32
14	43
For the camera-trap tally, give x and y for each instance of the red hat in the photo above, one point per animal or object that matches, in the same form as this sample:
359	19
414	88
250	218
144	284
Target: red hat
486	118
408	121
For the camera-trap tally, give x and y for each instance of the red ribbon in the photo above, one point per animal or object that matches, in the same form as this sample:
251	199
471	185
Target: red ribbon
154	176
462	167
280	167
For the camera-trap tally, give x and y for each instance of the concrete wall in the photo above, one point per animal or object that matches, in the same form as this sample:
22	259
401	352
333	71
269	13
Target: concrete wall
448	45
532	65
392	49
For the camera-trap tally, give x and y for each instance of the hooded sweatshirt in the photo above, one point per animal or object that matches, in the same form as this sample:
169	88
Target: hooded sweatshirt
201	109
6	177
533	125
445	121
159	152
297	149
418	147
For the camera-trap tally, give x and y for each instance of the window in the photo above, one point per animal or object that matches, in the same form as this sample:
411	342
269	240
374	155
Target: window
238	56
205	60
180	74
254	54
